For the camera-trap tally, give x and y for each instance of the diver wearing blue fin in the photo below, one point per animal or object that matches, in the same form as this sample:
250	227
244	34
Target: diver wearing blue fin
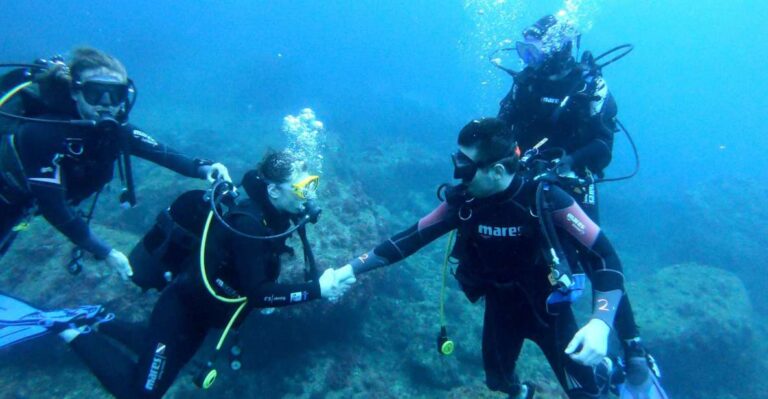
641	374
20	321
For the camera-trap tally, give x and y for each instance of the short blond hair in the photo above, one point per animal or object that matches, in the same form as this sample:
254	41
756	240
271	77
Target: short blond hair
85	58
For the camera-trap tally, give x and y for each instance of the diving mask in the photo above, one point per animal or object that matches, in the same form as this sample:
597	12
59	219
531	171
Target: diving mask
465	169
546	38
306	188
94	92
530	51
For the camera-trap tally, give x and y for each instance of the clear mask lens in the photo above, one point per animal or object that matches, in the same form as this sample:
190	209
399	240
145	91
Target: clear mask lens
93	92
463	167
530	53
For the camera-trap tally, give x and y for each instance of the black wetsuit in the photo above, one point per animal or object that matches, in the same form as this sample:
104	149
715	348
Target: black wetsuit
583	126
186	311
500	248
576	113
61	165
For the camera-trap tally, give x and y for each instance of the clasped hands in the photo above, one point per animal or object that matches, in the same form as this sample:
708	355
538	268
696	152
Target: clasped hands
335	282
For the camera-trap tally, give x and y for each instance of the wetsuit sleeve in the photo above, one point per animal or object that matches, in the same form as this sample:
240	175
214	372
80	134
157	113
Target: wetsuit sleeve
252	262
145	146
607	278
407	242
38	149
51	203
598	130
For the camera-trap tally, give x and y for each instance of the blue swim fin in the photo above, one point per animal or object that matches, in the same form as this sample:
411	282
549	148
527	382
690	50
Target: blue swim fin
642	380
20	321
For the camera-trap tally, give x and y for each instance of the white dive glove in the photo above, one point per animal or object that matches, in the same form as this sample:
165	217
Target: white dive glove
591	341
334	283
345	275
119	262
216	170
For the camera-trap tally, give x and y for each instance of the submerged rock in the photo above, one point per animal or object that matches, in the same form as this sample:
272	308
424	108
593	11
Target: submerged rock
699	324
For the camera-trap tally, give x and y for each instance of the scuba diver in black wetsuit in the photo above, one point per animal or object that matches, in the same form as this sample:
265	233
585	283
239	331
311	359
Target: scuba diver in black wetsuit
569	104
62	146
517	234
235	270
556	98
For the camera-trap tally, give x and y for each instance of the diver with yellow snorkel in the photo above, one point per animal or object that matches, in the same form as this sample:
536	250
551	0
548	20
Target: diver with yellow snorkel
234	270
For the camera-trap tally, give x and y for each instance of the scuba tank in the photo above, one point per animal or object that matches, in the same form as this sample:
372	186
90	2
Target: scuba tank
160	254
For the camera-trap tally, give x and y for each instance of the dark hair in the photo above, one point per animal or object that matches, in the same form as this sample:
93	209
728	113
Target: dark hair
275	167
493	140
84	58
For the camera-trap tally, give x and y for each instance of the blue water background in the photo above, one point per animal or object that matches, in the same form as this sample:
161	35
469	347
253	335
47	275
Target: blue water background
693	83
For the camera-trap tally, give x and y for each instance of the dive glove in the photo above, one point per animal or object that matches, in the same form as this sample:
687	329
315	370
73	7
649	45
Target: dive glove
345	275
590	344
334	283
119	262
215	171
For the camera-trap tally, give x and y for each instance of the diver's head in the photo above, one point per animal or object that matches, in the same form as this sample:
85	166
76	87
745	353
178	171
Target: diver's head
487	159
100	85
284	180
548	44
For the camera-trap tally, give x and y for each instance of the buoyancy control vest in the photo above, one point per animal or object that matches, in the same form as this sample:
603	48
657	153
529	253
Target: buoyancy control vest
565	110
174	238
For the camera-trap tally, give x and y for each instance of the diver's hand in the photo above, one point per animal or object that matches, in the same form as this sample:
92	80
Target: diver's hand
53	68
591	342
328	285
345	275
215	171
118	261
332	287
564	167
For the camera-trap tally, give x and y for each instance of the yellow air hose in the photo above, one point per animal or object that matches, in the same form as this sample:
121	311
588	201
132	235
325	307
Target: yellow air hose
445	276
13	92
202	266
243	301
444	344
